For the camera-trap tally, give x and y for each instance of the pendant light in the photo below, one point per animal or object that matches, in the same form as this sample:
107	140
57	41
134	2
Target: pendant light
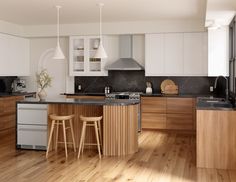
58	52
101	53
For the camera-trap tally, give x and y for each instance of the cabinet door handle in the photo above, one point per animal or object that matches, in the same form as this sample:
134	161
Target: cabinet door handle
31	129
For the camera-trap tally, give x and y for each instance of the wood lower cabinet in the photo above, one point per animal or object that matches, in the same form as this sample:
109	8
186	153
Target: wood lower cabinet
153	120
179	105
216	139
179	121
168	113
153	104
180	114
8	112
153	111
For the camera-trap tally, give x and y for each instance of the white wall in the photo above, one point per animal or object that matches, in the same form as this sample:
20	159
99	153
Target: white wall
41	52
218	52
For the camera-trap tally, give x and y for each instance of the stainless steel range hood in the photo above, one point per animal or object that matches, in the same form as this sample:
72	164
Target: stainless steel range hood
126	62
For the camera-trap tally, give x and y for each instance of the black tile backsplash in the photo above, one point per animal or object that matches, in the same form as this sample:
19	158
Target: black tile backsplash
6	82
136	81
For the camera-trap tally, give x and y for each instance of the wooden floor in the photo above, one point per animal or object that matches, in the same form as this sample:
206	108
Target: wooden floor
162	157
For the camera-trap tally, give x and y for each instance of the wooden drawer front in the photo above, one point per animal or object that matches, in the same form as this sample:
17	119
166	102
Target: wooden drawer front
179	121
1	106
153	104
8	104
180	105
84	97
153	121
7	122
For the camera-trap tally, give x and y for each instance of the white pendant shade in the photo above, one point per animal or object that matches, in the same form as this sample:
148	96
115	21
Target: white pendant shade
101	53
58	52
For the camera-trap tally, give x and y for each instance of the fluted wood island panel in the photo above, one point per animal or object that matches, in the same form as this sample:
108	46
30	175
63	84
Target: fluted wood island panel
120	130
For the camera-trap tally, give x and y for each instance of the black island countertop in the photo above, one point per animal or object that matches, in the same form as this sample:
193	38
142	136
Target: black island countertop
99	102
188	95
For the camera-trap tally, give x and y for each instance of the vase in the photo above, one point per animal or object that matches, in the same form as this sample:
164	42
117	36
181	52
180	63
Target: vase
42	94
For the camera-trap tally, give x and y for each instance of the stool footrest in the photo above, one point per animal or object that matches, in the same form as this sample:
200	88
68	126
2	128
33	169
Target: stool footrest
66	142
91	144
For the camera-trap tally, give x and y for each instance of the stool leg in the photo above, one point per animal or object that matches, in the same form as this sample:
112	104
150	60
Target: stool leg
64	133
57	130
81	139
100	131
72	134
97	137
84	136
50	138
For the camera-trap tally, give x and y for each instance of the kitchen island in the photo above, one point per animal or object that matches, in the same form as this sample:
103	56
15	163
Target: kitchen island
120	120
216	144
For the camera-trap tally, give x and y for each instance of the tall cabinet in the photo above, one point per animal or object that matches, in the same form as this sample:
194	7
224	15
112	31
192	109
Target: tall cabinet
82	61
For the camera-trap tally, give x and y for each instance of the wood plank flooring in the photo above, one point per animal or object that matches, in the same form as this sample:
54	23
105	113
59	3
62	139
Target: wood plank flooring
162	157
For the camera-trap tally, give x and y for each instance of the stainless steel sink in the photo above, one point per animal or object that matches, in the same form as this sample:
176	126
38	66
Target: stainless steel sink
211	99
214	102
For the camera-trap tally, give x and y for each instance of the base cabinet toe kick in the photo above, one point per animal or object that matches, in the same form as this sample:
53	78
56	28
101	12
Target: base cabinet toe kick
119	126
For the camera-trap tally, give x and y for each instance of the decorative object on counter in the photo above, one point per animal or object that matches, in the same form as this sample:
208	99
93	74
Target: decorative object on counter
107	90
169	87
101	53
58	52
44	81
148	88
19	85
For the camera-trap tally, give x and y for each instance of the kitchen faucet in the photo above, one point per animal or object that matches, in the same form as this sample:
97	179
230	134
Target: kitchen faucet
227	86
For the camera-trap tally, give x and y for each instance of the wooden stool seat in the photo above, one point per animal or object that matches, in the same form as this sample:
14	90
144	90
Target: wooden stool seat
96	123
61	120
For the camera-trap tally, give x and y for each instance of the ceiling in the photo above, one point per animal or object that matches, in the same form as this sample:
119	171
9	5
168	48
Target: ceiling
221	11
42	12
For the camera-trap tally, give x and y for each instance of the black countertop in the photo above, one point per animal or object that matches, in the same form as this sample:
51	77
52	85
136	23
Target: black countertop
84	94
99	102
9	94
143	95
175	95
221	104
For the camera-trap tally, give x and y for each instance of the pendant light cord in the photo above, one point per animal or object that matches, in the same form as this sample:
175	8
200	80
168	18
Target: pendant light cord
58	20
100	22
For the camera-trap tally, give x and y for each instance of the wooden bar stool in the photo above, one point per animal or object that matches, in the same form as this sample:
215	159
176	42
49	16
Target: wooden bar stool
96	123
56	122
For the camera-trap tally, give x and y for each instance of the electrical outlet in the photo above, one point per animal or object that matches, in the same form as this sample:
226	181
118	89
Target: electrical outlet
211	88
79	87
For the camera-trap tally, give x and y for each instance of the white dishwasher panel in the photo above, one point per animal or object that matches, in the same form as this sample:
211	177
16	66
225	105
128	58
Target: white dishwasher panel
32	137
32	114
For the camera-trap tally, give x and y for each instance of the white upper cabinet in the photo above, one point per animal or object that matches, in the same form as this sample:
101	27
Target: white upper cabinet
195	54
218	57
176	54
154	55
82	50
173	54
14	56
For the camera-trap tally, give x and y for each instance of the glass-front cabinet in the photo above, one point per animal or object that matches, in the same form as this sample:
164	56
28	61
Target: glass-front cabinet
82	62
